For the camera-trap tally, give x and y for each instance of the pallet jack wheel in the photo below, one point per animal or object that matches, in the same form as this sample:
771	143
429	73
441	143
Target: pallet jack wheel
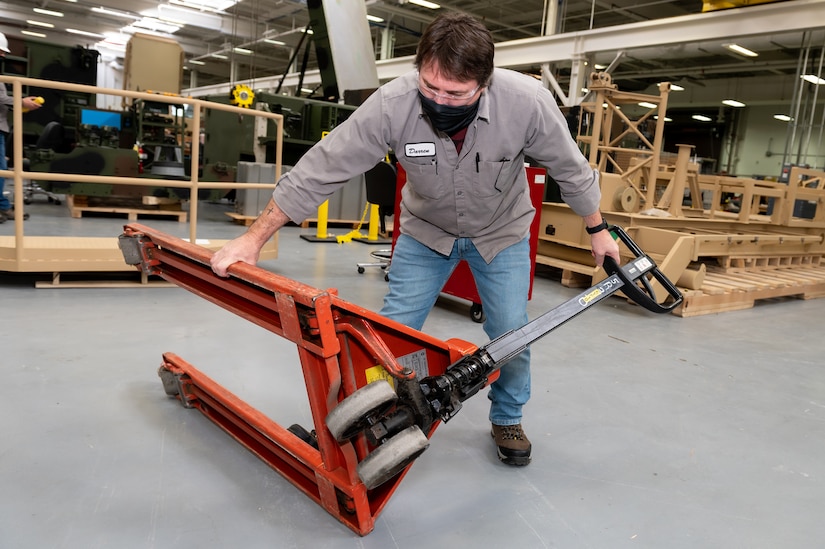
352	414
392	457
477	313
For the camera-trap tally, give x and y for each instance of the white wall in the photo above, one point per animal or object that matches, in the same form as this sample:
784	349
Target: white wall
760	143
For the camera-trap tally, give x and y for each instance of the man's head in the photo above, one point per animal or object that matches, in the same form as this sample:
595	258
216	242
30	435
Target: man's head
4	45
459	47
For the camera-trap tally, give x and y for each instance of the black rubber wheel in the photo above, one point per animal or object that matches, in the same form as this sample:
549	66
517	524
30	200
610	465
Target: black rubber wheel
392	457
477	313
351	415
360	270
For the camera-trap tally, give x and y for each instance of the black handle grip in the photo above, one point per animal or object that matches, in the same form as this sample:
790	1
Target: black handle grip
645	296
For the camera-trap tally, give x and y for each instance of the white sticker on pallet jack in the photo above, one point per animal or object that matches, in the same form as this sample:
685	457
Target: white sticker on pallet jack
643	263
417	362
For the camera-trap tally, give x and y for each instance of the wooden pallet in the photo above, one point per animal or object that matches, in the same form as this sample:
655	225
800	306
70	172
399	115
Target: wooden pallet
79	205
102	280
722	291
238	219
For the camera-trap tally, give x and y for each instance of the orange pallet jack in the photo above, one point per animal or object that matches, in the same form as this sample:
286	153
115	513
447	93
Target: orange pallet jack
377	389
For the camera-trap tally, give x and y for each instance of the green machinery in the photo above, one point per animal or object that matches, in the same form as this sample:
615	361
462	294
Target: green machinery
149	138
229	138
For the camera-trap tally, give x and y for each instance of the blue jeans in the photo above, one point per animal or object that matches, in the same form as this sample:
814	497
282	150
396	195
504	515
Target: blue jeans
416	277
4	202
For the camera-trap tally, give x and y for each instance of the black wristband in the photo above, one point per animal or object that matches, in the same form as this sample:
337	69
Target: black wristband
598	228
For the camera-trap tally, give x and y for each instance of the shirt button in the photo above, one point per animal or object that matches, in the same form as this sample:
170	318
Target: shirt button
459	193
461	215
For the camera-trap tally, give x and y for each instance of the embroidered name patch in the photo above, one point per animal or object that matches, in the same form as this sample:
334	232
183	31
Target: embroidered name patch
419	149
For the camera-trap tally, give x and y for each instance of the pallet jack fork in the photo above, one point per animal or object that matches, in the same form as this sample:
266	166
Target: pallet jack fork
377	389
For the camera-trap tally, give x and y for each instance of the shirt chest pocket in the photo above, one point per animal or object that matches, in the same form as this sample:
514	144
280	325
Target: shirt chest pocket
423	179
494	178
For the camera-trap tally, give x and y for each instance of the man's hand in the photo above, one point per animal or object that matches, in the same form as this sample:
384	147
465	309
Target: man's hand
247	247
243	249
32	103
603	244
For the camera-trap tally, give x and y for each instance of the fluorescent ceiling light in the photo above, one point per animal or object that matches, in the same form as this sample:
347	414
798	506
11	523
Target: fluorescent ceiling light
242	51
374	19
32	33
218	56
425	4
85	33
783	117
666	119
196	62
39	24
599	67
733	103
741	50
188	16
206	5
274	42
156	25
41	11
701	118
107	11
813	79
676	88
648	105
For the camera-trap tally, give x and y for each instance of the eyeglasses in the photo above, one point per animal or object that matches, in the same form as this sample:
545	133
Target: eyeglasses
450	96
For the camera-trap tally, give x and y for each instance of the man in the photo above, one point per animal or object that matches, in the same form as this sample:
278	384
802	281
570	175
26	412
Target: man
461	130
6	101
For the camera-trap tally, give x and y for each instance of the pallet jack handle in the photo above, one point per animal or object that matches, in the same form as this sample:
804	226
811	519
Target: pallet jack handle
468	375
646	297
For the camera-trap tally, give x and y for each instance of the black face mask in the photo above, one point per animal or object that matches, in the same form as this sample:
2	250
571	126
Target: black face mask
447	118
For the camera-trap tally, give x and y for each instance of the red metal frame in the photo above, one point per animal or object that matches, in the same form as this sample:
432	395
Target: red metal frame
341	348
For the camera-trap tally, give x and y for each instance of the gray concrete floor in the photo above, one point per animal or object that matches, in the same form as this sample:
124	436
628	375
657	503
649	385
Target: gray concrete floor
648	431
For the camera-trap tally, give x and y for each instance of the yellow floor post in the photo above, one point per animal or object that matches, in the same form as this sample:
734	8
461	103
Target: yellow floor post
323	219
375	223
321	234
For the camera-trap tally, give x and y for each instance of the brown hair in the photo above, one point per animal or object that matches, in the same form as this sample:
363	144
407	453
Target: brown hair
460	45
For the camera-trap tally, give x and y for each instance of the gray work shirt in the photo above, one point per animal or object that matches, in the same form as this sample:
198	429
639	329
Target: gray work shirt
6	102
481	193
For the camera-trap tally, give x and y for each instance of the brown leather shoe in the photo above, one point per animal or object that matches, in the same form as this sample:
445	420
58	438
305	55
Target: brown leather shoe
512	444
9	214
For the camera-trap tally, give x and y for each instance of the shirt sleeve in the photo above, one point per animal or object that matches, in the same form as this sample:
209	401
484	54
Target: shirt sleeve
550	144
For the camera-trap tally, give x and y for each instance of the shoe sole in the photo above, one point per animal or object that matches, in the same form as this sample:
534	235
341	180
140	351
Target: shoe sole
515	461
518	461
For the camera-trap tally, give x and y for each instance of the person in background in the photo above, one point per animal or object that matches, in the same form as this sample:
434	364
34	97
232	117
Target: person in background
461	129
6	211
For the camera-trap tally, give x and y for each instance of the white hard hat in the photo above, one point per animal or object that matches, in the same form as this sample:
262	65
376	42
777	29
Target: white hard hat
4	43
